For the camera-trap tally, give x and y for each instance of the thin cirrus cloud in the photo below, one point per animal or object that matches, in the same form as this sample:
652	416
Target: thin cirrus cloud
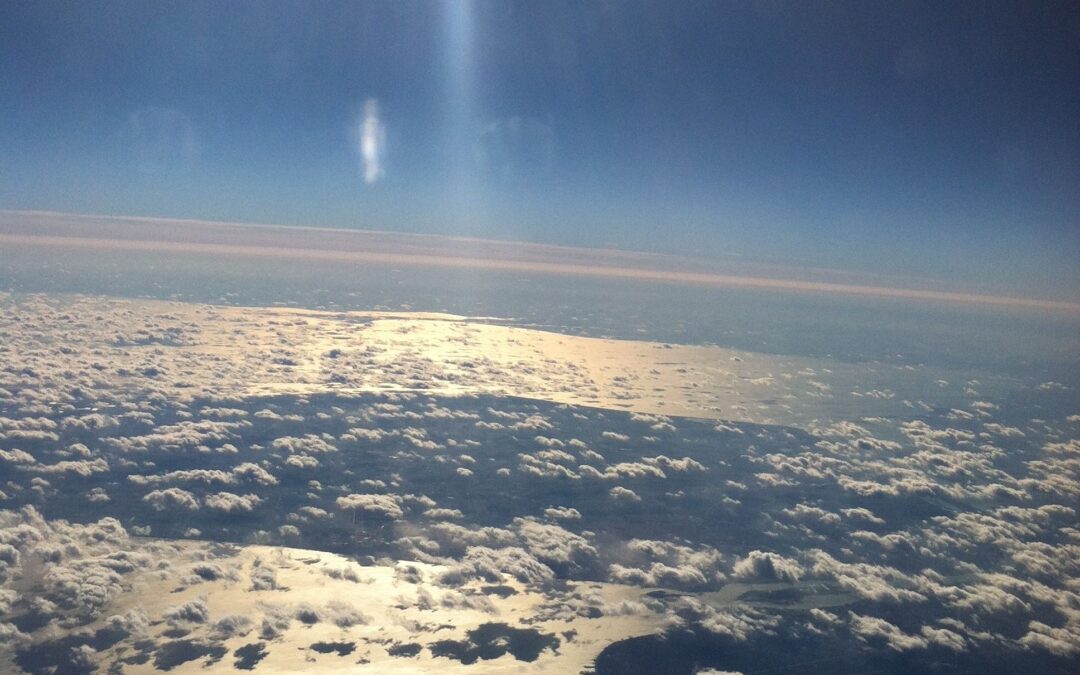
372	142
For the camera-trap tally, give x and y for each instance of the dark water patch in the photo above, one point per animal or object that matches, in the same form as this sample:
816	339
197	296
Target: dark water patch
407	650
685	652
492	640
59	657
248	656
72	654
138	658
178	652
781	596
502	591
342	648
31	621
207	572
144	649
661	594
308	616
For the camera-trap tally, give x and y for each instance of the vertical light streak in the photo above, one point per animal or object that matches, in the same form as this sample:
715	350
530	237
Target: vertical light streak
372	142
461	195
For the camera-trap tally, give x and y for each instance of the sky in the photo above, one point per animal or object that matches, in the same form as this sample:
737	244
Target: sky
936	139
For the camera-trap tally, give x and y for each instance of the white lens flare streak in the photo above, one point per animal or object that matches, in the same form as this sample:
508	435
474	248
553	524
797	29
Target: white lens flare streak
372	142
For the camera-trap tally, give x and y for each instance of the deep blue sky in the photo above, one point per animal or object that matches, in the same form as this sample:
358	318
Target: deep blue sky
937	138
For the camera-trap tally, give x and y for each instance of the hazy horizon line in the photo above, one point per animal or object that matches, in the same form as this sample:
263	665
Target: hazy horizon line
791	264
598	266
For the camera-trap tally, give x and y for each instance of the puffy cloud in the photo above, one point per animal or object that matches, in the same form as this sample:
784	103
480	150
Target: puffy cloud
301	461
456	538
84	586
812	514
480	603
658	574
181	436
313	512
134	622
1062	641
83	468
207	571
230	626
263	579
1002	430
863	514
634	470
344	615
204	476
490	564
345	573
874	582
624	494
98	495
194	611
683	465
554	545
443	514
308	444
767	565
661	563
276	620
232	503
943	637
384	505
408	573
556	455
288	531
171	498
739	624
8	598
988	599
253	473
562	513
542	465
16	456
871	628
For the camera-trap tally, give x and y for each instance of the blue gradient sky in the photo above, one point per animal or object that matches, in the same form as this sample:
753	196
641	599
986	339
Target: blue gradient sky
922	138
